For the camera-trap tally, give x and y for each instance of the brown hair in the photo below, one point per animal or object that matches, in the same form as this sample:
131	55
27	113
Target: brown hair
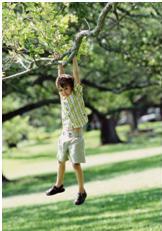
65	80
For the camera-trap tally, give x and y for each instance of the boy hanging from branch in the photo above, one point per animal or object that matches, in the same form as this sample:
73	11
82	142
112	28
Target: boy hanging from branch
71	141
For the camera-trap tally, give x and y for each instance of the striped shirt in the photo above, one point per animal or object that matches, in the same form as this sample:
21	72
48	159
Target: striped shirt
73	109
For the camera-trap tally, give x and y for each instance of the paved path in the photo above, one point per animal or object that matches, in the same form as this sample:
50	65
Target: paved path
122	184
45	167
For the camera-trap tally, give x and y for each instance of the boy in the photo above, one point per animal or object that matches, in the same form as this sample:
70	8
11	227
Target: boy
71	141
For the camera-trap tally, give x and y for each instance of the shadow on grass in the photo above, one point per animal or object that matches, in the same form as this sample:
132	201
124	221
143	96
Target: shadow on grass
137	211
43	182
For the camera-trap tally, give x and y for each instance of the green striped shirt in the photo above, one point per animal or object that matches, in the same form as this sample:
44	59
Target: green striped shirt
73	109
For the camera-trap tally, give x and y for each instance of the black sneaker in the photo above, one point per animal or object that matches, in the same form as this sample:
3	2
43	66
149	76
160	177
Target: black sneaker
80	198
54	190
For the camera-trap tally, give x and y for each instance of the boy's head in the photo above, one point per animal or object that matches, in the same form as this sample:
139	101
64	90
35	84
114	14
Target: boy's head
65	84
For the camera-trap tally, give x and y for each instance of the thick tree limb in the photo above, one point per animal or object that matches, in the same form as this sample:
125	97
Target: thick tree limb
75	48
120	109
29	107
101	87
128	86
132	84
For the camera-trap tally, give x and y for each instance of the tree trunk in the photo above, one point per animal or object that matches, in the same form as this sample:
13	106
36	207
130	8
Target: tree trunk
108	131
132	119
4	179
135	120
161	108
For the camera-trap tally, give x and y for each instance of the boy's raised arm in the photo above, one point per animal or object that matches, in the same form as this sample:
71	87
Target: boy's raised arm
76	70
60	69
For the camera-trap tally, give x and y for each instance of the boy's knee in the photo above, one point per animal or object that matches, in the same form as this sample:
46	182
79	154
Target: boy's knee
76	166
61	162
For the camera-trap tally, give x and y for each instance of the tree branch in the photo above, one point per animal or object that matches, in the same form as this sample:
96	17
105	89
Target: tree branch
89	33
125	87
75	48
120	109
32	66
101	86
9	115
18	74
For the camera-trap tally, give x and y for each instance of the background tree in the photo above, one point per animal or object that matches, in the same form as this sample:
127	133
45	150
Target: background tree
124	56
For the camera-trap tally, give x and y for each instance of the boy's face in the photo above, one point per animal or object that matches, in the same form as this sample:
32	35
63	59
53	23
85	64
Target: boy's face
65	91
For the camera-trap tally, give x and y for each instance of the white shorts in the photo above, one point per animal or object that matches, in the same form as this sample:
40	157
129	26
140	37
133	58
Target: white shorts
71	146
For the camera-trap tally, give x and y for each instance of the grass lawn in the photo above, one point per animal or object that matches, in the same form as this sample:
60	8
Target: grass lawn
42	182
137	211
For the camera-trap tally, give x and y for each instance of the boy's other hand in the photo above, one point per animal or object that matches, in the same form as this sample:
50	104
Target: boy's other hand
56	56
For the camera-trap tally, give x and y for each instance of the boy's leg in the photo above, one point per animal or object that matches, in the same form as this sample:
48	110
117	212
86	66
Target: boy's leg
80	177
58	186
60	174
